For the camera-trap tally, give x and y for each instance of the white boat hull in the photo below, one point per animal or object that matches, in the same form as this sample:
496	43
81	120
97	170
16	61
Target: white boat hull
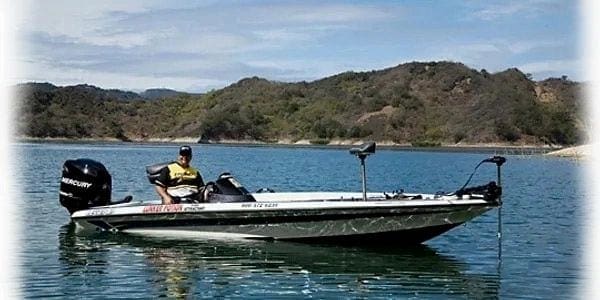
338	217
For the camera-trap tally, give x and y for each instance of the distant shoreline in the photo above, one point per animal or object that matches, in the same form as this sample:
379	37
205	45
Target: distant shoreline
334	144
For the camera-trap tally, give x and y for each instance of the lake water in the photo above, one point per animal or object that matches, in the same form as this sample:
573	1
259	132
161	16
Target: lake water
541	216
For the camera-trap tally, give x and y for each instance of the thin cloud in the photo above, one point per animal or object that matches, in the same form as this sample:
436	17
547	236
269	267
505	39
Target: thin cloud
550	66
530	8
126	39
496	11
72	76
520	47
336	13
507	46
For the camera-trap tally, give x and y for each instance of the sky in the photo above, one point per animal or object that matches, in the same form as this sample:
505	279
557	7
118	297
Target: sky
196	46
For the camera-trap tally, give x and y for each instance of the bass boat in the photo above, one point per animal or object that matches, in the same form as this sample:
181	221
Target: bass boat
230	210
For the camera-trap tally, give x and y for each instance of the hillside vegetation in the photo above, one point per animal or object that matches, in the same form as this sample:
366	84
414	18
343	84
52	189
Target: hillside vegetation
420	103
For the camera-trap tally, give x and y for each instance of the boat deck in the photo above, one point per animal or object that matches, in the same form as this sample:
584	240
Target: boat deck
290	197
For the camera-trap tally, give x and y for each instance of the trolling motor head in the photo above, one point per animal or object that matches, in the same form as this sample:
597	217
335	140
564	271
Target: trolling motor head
362	152
498	160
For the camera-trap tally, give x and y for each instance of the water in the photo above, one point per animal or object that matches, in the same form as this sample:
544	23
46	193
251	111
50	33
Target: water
541	225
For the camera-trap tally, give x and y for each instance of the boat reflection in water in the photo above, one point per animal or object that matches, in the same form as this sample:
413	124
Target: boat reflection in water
121	265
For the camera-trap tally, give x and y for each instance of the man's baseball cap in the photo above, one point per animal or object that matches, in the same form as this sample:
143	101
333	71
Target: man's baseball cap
185	151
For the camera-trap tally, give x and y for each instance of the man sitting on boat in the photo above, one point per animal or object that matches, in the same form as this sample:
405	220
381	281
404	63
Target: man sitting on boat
179	181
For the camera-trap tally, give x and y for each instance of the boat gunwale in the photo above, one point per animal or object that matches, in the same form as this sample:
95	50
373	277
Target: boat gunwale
200	208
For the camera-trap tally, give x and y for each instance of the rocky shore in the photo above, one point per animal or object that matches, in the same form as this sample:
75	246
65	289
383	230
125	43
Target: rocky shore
575	152
494	148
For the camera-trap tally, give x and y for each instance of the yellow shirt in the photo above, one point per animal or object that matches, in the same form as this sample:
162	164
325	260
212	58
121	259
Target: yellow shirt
180	181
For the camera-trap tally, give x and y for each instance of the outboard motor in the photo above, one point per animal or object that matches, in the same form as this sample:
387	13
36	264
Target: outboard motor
227	189
84	183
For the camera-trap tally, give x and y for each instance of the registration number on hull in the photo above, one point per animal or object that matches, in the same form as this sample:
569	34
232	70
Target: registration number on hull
259	205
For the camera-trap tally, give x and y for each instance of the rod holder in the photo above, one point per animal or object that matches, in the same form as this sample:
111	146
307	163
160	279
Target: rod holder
362	152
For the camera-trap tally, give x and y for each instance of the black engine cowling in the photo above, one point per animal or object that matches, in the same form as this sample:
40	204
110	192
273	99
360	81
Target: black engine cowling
84	183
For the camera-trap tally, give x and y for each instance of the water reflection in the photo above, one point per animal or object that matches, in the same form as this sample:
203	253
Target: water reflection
180	269
173	268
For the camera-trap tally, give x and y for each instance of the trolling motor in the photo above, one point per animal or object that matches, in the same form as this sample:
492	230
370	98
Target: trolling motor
499	161
362	152
491	191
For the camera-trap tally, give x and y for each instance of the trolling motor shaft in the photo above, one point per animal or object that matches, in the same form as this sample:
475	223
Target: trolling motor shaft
362	152
499	161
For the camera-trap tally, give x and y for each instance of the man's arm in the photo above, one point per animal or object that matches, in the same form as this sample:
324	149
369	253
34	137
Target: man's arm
161	187
162	192
202	192
199	181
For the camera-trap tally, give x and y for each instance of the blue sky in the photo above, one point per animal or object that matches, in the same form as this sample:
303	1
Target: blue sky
197	46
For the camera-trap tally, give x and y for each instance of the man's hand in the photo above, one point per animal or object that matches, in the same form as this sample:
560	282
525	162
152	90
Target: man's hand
167	200
162	192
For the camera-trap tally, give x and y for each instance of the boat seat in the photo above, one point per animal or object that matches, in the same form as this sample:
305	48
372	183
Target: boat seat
364	149
153	171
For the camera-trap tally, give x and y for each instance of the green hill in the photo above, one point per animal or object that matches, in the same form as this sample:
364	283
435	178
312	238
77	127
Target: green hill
418	103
